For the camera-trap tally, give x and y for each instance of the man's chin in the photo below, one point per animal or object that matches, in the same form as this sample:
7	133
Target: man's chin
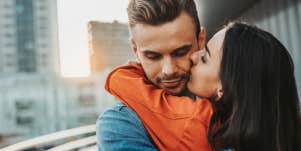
173	92
176	91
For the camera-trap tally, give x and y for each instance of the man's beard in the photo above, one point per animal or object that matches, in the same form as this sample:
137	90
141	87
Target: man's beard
183	79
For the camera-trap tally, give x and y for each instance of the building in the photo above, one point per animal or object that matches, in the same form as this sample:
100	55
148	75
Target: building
29	67
34	99
109	45
29	42
82	100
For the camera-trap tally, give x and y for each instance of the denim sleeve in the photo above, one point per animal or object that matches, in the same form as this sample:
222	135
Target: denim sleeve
119	128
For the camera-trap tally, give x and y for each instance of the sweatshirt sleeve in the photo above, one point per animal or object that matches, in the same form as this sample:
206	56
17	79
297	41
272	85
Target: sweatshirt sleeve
128	84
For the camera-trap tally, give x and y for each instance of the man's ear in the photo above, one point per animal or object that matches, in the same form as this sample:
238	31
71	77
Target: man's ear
134	48
202	38
133	45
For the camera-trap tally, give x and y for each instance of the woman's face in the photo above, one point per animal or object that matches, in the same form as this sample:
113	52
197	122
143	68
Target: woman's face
204	79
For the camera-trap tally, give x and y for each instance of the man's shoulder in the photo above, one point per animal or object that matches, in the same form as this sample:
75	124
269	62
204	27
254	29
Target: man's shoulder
119	128
119	109
120	114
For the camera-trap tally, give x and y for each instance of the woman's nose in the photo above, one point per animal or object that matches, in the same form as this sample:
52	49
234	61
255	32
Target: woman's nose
194	57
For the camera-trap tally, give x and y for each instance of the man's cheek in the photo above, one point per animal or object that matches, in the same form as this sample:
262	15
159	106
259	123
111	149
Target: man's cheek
185	66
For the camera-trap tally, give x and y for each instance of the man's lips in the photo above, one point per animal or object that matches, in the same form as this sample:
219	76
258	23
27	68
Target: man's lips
171	83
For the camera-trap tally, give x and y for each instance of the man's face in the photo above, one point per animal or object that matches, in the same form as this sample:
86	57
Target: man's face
164	51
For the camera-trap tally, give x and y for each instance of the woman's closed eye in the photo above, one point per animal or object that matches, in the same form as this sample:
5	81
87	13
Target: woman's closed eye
204	58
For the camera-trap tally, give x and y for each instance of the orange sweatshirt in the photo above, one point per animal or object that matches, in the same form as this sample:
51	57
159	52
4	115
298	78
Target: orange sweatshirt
174	123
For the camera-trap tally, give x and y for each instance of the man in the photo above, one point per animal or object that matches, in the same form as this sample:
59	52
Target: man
164	33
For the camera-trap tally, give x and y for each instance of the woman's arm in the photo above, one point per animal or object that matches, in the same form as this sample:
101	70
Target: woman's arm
129	85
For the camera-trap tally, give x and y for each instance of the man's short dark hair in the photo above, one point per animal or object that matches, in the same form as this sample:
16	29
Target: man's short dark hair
157	12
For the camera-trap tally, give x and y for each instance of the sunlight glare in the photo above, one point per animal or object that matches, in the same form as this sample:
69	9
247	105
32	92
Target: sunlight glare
73	17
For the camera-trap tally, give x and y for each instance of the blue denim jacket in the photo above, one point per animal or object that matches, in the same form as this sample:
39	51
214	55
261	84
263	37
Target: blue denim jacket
120	129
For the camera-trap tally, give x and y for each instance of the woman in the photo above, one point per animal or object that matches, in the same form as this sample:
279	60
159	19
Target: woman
247	75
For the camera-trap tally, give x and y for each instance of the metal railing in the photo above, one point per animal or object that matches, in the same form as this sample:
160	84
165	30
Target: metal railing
82	138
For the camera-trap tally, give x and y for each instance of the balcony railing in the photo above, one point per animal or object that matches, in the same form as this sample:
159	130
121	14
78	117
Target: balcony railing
82	138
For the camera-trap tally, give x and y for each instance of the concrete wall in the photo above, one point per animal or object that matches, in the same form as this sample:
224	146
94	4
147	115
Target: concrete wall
283	19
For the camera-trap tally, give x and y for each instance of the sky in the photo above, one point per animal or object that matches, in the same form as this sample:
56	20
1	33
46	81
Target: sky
73	16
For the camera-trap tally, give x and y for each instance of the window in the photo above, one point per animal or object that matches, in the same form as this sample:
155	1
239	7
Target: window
43	45
6	26
24	121
43	18
19	9
43	27
8	16
87	100
25	36
8	45
9	64
42	7
23	105
7	6
8	35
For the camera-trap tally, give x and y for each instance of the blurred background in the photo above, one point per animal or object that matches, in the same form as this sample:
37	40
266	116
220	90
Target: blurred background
55	55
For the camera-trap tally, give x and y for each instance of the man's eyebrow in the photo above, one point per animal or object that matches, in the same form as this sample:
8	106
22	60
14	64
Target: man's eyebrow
207	49
184	47
148	52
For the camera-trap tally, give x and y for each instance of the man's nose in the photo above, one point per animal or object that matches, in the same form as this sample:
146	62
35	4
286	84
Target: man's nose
168	67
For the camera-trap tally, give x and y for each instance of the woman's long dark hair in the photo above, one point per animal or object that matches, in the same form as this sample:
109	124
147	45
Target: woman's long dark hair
259	110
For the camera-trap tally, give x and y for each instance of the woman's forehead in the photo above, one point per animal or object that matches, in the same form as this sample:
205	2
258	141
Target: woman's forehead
216	42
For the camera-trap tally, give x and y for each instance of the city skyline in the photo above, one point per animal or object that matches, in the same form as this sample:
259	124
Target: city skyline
73	18
34	98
